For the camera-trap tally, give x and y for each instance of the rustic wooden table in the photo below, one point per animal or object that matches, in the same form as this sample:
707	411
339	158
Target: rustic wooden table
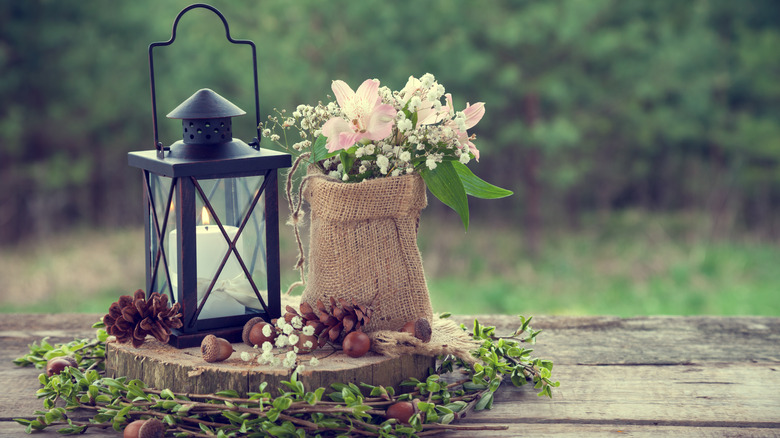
645	376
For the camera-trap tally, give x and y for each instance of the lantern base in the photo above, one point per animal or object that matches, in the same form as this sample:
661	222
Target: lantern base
163	366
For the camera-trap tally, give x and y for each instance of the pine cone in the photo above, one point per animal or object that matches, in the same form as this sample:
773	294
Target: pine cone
132	318
338	321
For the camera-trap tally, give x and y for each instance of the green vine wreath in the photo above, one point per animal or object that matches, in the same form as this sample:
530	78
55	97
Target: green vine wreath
451	391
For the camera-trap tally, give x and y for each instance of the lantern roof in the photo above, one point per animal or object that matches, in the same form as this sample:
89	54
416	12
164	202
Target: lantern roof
205	104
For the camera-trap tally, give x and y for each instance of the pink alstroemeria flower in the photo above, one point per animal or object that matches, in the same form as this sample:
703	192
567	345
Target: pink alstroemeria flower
366	116
474	114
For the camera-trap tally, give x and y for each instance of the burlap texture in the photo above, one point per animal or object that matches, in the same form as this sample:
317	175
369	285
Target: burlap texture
363	245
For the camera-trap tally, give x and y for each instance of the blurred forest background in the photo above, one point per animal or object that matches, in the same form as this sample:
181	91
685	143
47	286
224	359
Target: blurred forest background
641	139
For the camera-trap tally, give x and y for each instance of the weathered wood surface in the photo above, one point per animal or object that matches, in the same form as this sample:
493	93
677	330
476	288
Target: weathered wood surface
160	365
645	376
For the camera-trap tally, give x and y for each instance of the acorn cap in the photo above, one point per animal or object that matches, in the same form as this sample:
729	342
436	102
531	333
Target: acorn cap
153	428
71	360
215	349
248	327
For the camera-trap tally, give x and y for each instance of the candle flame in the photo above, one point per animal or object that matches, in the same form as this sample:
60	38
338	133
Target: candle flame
204	216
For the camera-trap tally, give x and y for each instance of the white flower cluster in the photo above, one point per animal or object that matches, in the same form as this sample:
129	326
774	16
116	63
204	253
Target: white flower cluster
288	335
426	130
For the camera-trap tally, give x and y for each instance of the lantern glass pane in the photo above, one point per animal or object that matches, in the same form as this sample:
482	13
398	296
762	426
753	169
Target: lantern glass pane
160	227
232	203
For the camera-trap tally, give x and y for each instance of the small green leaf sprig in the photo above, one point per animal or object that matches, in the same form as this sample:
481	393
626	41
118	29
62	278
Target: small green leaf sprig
291	410
501	356
88	353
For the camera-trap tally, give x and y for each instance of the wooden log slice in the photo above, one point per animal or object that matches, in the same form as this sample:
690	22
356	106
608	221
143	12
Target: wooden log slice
184	370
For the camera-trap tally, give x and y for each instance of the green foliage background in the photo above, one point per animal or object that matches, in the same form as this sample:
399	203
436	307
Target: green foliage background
591	105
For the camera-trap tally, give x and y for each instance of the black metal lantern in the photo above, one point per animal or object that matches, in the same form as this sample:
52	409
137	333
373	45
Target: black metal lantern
211	215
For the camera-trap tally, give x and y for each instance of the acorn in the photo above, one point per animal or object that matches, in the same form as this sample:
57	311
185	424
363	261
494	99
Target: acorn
152	428
356	344
401	411
420	329
131	431
257	337
55	365
247	327
302	339
215	349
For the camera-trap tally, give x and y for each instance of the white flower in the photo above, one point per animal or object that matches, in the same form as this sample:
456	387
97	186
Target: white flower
296	322
360	152
431	163
266	132
307	345
287	329
246	356
345	177
289	360
464	158
396	172
414	103
314	361
275	137
293	339
308	330
281	341
405	156
382	162
275	361
404	125
362	169
460	120
267	346
370	149
334	174
427	80
300	368
266	357
438	91
267	330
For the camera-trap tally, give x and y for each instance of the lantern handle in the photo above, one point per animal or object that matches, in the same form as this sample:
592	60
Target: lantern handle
157	143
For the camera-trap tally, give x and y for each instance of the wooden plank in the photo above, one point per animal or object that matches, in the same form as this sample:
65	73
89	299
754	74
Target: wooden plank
661	340
723	394
577	430
645	376
558	430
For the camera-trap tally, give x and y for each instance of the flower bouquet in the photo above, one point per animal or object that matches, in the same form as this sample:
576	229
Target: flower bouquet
375	132
371	154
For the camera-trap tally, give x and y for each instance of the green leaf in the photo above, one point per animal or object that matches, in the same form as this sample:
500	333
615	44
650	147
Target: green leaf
319	151
477	187
445	184
447	419
486	402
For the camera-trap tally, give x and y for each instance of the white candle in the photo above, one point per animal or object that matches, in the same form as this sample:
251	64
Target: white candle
210	249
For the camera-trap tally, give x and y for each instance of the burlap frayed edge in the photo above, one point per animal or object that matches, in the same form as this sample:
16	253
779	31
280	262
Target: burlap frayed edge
447	338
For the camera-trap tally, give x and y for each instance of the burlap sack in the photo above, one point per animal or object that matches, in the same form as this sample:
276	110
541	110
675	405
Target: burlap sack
363	245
